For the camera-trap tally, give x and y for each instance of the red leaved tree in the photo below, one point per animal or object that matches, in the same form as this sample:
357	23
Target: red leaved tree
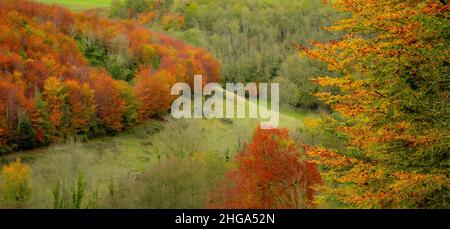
270	173
110	105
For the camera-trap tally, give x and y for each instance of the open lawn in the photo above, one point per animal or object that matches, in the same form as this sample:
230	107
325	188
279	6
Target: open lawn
78	5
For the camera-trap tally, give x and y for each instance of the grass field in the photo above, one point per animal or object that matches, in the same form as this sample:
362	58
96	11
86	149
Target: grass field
78	5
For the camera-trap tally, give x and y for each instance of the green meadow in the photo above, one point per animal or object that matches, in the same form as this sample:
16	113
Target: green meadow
78	5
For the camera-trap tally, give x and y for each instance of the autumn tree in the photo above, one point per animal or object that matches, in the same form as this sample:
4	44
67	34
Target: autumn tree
8	98
55	94
132	103
153	91
110	105
12	112
270	173
82	107
30	133
393	104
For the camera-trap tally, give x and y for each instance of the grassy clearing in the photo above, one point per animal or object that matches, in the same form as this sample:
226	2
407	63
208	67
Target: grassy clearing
79	5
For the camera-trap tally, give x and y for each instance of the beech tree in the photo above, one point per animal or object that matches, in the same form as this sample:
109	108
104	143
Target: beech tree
392	101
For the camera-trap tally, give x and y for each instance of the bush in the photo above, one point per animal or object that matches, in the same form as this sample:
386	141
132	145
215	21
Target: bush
16	181
179	182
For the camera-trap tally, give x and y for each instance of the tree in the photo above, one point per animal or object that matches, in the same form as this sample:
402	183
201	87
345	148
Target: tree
393	91
149	56
299	70
270	173
25	133
289	92
110	105
132	103
82	107
153	91
251	38
41	111
12	102
55	95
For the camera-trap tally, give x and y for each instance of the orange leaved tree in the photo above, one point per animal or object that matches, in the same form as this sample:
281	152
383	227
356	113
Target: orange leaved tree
153	92
81	100
111	107
270	173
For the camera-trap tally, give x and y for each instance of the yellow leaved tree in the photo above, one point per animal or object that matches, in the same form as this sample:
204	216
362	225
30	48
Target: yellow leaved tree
394	67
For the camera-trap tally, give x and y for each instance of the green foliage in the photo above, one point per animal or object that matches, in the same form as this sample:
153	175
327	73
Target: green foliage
117	9
251	38
254	40
392	104
93	51
26	135
180	182
75	196
300	71
79	5
41	107
114	59
289	92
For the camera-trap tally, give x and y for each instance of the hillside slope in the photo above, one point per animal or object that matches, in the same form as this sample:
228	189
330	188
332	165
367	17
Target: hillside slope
65	74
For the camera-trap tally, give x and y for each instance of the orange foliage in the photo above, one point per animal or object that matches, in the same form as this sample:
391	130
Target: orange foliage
81	100
270	173
110	106
392	63
38	53
54	94
153	91
12	100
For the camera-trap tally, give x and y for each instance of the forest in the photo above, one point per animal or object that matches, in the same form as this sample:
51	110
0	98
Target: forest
85	99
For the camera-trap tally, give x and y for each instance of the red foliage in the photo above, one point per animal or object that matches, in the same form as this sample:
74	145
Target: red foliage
110	106
12	101
270	173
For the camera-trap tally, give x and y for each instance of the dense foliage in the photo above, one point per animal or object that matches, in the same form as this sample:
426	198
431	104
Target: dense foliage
254	40
393	105
381	71
16	182
48	90
270	173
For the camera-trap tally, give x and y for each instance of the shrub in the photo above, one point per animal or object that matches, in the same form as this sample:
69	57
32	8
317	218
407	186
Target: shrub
16	181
